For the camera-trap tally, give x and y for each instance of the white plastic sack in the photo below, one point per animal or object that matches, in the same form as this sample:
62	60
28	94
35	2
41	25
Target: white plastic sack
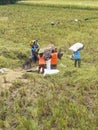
77	46
51	71
48	64
3	70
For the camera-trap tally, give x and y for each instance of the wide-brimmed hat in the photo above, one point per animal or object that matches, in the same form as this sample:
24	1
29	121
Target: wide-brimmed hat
41	51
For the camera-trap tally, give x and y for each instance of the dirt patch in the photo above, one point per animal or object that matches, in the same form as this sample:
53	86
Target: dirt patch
7	78
3	18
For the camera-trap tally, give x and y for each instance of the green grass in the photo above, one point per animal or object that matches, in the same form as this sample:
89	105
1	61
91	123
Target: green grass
89	4
66	101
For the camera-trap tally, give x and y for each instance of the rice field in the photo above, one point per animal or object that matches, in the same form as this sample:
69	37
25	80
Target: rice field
66	101
90	4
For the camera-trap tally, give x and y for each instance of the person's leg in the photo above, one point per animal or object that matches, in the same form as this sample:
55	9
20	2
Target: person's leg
75	63
79	63
53	66
43	68
39	69
36	58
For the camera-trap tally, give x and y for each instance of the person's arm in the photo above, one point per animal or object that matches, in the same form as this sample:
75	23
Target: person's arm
60	54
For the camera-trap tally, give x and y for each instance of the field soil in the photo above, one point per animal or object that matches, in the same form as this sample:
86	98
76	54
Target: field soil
9	76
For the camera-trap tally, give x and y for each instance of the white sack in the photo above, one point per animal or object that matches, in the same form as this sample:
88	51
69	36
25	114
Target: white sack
48	64
51	71
3	70
77	46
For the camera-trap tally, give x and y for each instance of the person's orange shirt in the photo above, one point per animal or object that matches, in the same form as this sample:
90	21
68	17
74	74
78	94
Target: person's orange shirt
41	60
54	57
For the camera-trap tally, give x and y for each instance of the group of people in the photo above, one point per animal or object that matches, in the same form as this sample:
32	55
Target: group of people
50	55
42	57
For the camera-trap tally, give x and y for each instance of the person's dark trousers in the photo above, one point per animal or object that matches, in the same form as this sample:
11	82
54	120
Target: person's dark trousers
35	58
53	66
39	68
77	62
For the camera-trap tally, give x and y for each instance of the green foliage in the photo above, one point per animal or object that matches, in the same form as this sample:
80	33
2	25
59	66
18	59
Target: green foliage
27	124
66	108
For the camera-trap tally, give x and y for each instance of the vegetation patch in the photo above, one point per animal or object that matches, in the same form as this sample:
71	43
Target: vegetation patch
87	4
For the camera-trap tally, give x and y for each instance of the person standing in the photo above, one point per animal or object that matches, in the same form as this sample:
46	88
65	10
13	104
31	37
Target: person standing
54	57
42	62
34	50
77	58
